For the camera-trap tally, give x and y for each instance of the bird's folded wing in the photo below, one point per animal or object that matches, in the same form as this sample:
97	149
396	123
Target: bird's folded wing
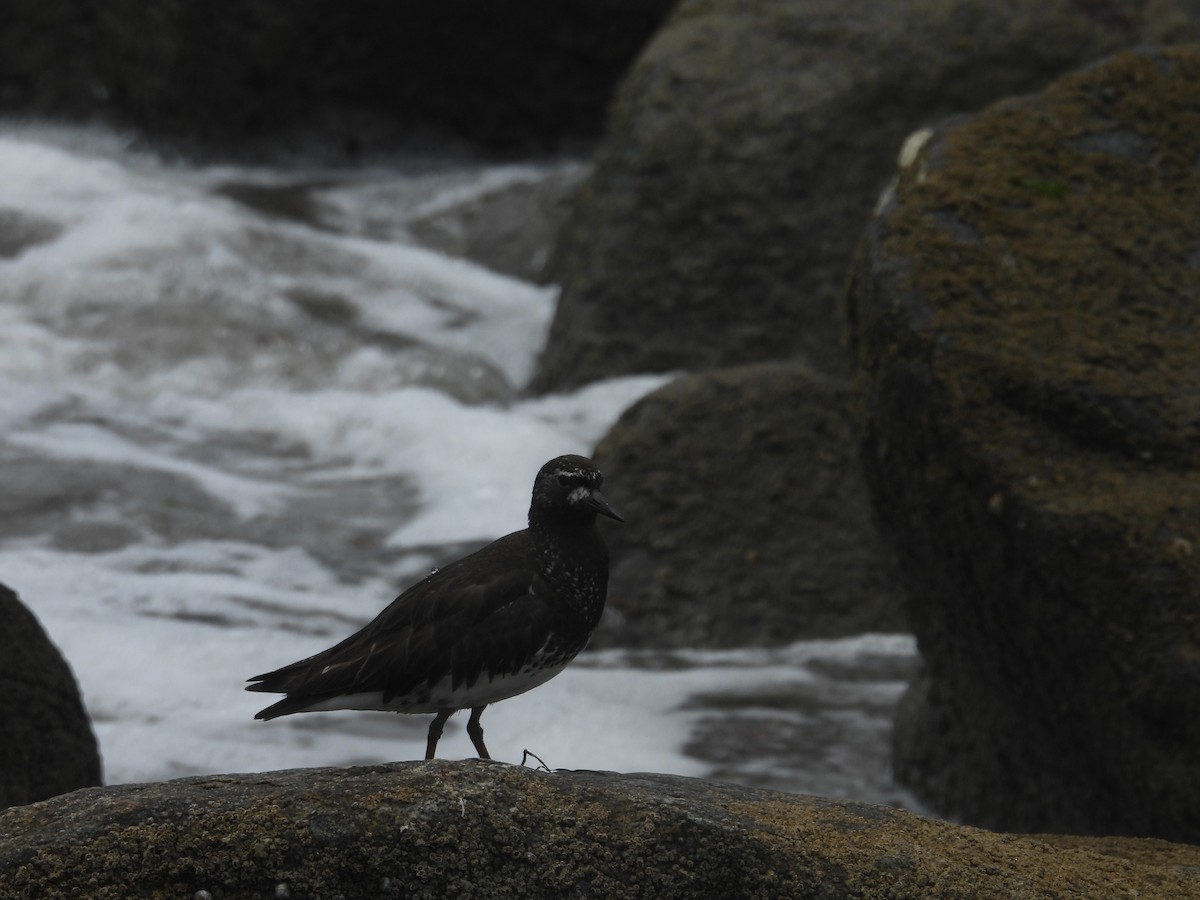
453	623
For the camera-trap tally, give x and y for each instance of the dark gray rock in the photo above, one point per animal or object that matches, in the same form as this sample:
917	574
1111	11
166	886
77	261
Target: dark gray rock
96	507
507	76
747	147
19	230
510	230
747	517
46	742
483	829
1024	317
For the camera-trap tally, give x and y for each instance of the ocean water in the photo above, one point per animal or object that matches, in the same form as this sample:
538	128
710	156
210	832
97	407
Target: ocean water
242	407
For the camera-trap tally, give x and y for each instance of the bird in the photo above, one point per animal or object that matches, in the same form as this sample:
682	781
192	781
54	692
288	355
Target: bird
494	624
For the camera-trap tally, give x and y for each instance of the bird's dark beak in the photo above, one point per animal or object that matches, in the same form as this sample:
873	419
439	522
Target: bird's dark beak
597	502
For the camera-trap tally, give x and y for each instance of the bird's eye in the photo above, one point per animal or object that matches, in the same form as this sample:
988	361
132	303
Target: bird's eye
564	480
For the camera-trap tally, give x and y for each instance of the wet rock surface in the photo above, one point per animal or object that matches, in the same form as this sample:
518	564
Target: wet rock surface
510	230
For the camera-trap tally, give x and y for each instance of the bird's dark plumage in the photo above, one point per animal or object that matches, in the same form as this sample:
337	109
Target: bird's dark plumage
492	625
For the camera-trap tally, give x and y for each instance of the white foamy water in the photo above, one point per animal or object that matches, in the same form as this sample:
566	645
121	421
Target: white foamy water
241	408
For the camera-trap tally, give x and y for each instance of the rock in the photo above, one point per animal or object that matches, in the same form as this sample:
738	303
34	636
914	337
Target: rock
19	231
89	506
483	829
510	230
747	517
1024	314
746	149
46	746
506	76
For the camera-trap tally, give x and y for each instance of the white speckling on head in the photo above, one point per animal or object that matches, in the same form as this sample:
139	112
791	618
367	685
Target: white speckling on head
580	494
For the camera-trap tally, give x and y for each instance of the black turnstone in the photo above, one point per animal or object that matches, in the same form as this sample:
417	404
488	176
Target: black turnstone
488	627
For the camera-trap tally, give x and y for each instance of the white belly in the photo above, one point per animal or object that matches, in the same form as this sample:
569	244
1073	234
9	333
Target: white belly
442	695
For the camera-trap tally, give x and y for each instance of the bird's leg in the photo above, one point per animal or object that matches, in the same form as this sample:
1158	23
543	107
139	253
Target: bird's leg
475	731
435	731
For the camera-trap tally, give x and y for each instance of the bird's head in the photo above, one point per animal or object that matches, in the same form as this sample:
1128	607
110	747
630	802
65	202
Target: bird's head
569	486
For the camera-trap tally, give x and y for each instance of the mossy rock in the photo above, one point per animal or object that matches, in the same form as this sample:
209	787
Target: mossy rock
747	516
483	829
744	154
1024	314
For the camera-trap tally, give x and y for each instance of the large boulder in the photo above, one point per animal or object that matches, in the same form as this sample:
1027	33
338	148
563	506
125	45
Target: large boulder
46	741
1025	316
483	829
747	521
510	76
746	149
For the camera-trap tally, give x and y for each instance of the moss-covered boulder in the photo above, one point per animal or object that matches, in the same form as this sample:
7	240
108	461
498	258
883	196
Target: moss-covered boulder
747	516
482	829
745	151
46	741
1025	317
